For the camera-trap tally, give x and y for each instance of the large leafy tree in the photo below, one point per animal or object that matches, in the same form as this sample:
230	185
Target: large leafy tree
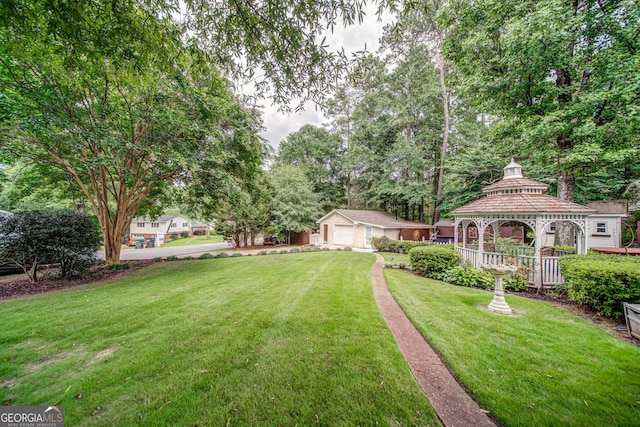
317	152
294	204
29	186
278	45
107	92
418	28
563	73
397	128
243	213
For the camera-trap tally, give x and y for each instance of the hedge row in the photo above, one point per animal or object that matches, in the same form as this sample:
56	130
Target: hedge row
384	244
602	283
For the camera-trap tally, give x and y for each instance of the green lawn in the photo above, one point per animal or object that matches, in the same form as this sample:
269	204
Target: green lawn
291	340
193	240
542	367
395	258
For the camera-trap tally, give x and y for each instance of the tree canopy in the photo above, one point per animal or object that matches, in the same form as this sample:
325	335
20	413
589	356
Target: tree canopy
114	99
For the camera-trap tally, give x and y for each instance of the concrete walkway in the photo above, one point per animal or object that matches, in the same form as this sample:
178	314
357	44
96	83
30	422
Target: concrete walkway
452	404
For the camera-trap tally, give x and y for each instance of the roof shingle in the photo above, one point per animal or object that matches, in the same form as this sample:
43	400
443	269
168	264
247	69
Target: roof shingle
378	219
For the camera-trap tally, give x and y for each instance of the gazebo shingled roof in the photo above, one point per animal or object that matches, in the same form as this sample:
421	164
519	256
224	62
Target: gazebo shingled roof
516	194
521	203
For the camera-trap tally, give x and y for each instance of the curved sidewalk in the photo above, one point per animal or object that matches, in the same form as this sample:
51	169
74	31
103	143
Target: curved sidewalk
452	404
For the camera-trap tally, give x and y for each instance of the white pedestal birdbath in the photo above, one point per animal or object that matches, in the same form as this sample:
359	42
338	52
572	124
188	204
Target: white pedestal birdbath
499	305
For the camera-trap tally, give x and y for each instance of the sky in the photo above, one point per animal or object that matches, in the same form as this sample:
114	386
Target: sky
352	39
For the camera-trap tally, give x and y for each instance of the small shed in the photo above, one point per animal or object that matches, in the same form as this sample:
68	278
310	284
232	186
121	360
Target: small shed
355	228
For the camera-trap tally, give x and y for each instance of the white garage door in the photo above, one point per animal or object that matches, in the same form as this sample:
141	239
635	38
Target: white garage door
343	235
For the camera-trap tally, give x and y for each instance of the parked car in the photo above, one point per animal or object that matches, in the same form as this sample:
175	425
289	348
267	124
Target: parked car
271	240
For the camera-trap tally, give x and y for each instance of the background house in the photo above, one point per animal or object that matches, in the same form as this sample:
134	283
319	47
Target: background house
355	228
604	226
162	228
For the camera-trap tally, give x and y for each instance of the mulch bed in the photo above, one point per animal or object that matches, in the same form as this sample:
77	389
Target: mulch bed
18	285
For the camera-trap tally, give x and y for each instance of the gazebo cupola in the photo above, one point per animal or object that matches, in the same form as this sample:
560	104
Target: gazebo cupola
517	199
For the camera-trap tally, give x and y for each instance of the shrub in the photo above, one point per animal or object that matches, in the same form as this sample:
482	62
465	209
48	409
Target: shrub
570	249
284	251
34	238
222	255
171	258
198	232
157	259
406	245
184	234
469	277
348	249
380	243
295	251
187	258
262	253
433	260
124	266
515	282
602	282
206	255
236	255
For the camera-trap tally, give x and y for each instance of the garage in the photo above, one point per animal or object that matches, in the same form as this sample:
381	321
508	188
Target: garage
343	235
356	228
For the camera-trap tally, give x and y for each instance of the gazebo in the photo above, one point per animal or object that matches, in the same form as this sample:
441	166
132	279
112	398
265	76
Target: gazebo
518	199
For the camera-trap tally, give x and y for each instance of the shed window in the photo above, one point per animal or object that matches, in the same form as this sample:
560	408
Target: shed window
140	225
185	224
173	224
601	227
155	225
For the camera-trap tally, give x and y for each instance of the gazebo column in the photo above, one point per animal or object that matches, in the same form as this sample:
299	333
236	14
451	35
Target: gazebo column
456	224
585	234
540	234
495	227
465	228
481	229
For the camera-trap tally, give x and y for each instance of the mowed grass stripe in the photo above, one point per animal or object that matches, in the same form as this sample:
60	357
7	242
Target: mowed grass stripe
273	340
542	367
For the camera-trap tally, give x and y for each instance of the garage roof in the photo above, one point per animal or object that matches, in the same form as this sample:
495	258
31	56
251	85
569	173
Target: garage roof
375	218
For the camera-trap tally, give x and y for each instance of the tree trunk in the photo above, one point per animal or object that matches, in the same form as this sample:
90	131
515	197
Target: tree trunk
349	191
445	138
33	272
565	231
